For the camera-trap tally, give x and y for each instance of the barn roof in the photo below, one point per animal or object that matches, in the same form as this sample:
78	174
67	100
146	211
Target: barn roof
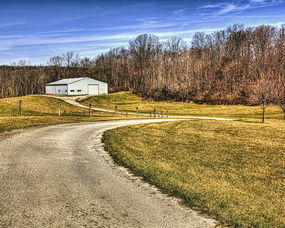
65	81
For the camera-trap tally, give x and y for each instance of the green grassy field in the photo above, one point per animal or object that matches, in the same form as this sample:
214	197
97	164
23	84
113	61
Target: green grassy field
231	170
128	102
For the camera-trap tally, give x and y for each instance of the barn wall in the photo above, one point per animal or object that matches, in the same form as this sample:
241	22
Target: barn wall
50	89
61	89
76	86
103	87
56	89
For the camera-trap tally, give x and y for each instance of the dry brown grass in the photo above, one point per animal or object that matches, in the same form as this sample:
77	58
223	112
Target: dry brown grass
37	105
231	170
128	102
43	110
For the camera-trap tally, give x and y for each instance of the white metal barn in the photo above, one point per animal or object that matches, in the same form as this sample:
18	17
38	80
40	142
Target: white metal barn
77	86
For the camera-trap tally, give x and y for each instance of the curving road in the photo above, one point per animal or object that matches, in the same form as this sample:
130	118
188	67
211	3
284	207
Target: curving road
60	176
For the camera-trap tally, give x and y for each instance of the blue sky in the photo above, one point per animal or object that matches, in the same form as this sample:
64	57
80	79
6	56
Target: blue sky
37	30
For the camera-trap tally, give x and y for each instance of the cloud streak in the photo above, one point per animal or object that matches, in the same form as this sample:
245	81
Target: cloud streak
94	28
230	7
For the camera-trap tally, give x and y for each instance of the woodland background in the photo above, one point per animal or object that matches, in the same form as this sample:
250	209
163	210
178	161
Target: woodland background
237	65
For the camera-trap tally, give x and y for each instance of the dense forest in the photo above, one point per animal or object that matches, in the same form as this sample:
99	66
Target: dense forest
237	65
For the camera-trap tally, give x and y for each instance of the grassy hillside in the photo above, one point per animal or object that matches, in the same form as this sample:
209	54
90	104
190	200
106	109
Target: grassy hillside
128	102
231	170
42	110
36	105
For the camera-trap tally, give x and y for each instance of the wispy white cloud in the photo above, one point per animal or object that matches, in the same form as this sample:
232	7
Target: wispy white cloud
2	25
209	6
179	11
257	1
95	30
233	8
98	12
225	7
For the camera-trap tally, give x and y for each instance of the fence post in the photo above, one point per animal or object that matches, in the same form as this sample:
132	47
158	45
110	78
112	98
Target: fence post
167	114
150	113
21	107
116	110
137	111
154	112
90	110
126	113
162	114
59	113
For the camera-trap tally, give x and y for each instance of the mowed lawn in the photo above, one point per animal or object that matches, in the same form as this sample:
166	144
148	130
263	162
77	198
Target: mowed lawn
126	101
232	170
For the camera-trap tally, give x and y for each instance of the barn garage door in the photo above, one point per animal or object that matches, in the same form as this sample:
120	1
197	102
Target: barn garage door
93	89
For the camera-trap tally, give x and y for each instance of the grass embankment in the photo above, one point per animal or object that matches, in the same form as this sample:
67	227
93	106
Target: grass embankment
231	170
37	105
41	111
128	102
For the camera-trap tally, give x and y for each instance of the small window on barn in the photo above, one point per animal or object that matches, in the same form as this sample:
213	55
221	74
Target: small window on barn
72	90
79	90
59	90
66	90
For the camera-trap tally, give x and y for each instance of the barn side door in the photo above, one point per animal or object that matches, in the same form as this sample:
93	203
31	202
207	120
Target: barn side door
93	89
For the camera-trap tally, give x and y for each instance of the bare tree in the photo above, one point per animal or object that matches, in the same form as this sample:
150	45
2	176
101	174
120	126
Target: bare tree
223	67
281	96
175	44
282	105
21	62
144	50
266	90
85	62
56	61
70	58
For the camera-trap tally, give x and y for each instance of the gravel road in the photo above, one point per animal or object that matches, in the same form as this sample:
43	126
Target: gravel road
60	176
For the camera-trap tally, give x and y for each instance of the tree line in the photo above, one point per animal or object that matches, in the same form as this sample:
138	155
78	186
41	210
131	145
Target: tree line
237	65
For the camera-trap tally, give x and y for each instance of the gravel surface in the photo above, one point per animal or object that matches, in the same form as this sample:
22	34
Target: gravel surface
60	176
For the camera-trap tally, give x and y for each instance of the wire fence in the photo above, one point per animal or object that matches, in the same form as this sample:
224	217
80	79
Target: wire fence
17	107
24	107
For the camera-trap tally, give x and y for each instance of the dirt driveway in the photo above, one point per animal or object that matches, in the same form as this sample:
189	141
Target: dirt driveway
60	176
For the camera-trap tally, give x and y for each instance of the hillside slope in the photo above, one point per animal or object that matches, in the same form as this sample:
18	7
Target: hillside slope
41	111
126	101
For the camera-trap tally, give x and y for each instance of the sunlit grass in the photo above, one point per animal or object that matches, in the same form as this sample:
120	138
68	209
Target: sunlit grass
231	170
18	122
129	102
43	110
37	105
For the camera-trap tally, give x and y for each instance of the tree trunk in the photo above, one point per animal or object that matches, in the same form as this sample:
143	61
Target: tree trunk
283	109
263	111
